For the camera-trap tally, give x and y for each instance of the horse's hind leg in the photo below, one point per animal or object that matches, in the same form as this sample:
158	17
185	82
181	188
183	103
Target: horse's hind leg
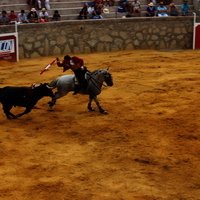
56	96
52	103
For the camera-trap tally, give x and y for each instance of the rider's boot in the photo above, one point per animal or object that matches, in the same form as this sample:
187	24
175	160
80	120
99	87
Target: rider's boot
84	85
77	89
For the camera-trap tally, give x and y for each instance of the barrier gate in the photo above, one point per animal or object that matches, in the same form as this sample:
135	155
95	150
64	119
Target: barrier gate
196	34
9	46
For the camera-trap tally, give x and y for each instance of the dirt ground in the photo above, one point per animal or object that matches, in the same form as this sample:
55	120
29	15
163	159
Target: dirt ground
146	148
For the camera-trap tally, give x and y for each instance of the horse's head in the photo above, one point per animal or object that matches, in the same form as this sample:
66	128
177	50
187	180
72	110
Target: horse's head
108	78
96	79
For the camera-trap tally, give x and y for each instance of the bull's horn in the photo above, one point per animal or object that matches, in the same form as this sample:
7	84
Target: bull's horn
33	85
49	87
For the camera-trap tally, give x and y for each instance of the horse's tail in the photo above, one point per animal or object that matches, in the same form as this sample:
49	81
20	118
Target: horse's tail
53	84
1	90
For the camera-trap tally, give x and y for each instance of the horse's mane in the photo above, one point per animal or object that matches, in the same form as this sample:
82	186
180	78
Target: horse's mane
96	71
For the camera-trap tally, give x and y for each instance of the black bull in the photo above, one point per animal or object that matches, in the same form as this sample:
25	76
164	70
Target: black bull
22	96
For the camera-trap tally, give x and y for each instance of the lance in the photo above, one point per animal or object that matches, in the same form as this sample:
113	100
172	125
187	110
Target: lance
47	67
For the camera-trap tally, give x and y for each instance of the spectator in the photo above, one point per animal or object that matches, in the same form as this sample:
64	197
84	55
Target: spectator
4	19
43	4
105	2
96	14
185	8
108	2
112	2
33	16
92	3
135	7
22	17
151	10
125	4
101	7
83	14
167	2
12	17
32	3
91	6
162	10
100	1
56	16
152	1
44	15
173	10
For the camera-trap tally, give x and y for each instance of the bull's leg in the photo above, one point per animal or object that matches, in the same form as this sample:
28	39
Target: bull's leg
6	109
28	109
98	104
90	103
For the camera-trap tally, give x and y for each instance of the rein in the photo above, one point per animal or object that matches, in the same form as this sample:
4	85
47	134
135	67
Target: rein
96	81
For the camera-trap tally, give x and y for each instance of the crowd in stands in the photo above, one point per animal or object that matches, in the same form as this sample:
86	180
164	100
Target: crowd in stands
94	10
36	14
38	4
161	10
154	8
32	17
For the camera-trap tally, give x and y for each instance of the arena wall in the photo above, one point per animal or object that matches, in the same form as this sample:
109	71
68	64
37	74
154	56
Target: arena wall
86	36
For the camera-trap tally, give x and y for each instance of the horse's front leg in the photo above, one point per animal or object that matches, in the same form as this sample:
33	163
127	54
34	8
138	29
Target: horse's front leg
99	107
90	104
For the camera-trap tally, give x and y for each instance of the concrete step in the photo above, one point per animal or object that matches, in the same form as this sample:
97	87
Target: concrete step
15	7
10	2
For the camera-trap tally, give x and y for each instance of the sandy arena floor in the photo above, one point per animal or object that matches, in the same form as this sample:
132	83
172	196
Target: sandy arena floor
146	148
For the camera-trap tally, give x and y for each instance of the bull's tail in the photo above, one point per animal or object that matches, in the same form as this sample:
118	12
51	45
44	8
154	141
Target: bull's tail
53	84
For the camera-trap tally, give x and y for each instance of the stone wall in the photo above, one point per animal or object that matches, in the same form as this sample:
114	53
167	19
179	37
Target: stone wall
74	37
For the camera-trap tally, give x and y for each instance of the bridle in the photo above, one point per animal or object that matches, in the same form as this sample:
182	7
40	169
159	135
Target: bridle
93	79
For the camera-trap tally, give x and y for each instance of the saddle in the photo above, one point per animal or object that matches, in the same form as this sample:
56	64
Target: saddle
83	86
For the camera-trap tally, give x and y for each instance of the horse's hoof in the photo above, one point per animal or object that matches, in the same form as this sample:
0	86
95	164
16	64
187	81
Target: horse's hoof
91	109
50	109
104	112
50	103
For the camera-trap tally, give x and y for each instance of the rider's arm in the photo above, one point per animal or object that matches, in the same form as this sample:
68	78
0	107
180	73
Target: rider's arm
59	64
78	61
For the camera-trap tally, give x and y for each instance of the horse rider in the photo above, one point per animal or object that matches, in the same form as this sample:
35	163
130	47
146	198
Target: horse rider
77	66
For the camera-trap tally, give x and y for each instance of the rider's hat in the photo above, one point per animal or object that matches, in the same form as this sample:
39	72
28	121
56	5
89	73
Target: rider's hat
67	57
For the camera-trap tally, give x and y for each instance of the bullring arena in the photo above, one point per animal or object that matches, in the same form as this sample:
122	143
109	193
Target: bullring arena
146	148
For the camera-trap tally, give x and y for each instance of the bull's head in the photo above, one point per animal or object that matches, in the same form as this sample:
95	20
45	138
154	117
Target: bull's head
43	89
